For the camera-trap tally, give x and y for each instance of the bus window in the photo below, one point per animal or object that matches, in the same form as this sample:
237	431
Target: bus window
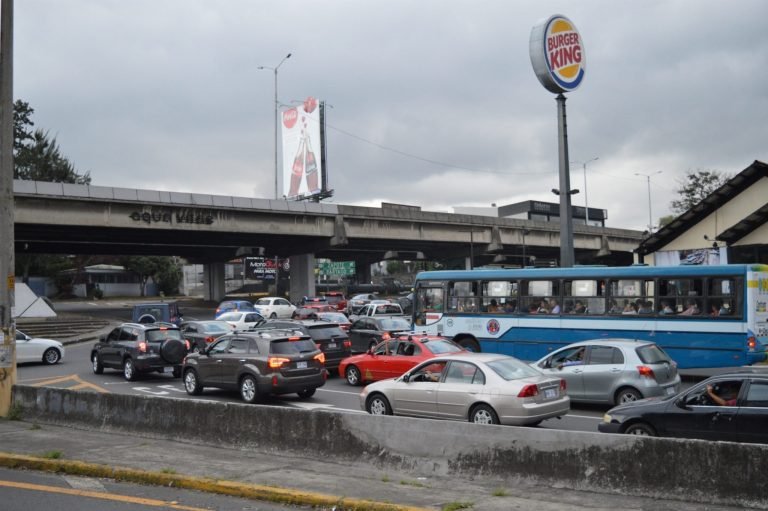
463	297
631	297
722	297
540	297
583	297
681	296
428	299
499	297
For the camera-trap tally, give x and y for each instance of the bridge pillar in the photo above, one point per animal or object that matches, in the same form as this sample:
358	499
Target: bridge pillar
302	276
213	282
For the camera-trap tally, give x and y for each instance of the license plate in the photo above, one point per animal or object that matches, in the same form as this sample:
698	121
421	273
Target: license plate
167	369
550	393
301	365
331	344
670	391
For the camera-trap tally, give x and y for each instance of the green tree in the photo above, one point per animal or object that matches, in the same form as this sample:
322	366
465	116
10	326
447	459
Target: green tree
163	270
143	266
665	220
695	187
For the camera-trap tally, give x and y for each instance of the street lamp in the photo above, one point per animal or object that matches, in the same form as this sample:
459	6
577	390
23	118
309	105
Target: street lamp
650	215
586	204
276	119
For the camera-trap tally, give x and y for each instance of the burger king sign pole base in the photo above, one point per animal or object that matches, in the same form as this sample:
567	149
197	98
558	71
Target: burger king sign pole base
557	56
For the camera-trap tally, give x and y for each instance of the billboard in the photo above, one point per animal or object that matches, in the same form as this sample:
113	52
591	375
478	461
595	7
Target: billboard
303	135
557	54
263	268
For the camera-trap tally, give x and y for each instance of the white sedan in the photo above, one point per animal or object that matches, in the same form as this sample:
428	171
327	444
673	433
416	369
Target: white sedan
30	349
274	307
241	320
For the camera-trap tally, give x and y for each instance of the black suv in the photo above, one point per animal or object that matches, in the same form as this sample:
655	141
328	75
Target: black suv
258	363
141	348
329	337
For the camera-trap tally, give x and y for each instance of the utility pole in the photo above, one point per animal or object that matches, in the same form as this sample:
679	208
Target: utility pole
7	241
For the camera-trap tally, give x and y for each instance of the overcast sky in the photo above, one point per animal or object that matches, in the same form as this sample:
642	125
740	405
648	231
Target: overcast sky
434	103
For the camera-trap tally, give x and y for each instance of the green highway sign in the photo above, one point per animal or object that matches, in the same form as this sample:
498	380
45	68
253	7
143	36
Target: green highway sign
337	268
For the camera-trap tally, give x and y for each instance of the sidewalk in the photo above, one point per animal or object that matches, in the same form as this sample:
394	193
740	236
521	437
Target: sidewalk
327	484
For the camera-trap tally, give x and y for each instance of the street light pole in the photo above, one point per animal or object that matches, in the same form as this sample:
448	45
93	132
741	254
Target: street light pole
586	202
277	121
648	179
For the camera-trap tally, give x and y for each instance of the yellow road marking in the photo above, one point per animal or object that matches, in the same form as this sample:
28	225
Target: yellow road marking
81	384
99	495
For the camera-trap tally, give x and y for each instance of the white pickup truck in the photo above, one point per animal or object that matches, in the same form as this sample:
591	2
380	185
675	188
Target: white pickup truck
377	310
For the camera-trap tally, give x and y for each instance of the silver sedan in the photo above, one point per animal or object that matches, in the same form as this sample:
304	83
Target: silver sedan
483	388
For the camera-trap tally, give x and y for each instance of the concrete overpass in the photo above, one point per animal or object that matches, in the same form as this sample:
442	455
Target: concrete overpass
211	229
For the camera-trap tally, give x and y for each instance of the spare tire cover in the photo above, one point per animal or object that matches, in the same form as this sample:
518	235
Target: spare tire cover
173	351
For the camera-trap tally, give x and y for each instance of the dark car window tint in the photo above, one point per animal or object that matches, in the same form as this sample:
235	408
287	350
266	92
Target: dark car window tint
652	354
190	329
161	335
128	334
113	335
286	347
238	346
605	355
757	395
326	332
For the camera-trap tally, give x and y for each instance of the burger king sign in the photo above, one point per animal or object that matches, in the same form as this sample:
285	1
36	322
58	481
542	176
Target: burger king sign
557	54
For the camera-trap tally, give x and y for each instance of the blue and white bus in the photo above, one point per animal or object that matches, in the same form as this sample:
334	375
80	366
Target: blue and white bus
703	316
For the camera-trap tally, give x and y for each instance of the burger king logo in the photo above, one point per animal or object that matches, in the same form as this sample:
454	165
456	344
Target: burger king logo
557	54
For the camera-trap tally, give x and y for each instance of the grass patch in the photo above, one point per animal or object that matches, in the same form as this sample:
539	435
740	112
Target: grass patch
454	506
415	484
385	479
500	492
168	471
14	412
35	426
53	455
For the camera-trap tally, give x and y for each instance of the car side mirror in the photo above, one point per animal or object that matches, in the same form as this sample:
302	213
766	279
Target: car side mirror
102	338
406	378
680	403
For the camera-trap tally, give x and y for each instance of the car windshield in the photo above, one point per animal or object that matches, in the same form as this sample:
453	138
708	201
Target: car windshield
288	347
652	354
395	324
512	369
231	316
215	328
162	334
336	317
440	346
333	299
325	332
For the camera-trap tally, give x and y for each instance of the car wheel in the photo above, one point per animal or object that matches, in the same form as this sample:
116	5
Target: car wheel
306	393
129	369
468	344
98	368
51	356
627	395
353	375
248	389
273	315
640	429
191	383
378	405
177	372
483	414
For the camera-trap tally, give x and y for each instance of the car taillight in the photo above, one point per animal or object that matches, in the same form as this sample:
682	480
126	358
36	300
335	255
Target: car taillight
209	340
143	347
186	341
563	386
277	362
320	357
751	343
347	344
385	336
645	372
319	346
529	391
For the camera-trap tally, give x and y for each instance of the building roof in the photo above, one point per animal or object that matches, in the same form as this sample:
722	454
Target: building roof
733	187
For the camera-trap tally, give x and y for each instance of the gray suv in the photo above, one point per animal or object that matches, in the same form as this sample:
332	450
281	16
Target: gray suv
136	348
257	364
613	371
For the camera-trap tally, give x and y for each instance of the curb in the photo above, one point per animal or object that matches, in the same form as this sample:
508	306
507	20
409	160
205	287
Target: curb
231	488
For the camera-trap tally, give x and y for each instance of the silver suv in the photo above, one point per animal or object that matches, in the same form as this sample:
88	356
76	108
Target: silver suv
613	371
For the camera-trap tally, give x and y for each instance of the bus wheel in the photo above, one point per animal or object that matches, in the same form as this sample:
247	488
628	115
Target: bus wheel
468	344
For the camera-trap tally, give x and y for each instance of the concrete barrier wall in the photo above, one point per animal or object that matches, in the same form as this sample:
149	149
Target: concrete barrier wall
690	470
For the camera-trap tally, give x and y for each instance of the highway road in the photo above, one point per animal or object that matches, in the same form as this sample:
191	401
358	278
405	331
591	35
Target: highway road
75	373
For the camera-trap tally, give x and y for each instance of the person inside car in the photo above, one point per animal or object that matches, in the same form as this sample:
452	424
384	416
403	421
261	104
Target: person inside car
719	400
574	359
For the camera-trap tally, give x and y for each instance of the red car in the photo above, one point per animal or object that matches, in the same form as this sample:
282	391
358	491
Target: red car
391	358
337	299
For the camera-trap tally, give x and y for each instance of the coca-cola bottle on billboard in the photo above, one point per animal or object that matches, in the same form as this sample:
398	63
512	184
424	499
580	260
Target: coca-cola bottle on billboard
311	169
298	169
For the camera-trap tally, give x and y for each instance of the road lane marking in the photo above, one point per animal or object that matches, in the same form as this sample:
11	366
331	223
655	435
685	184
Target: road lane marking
351	393
97	495
84	483
80	384
172	388
149	390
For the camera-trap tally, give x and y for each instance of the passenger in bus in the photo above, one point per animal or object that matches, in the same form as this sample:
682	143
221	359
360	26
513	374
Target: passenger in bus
533	309
646	307
555	307
691	308
543	306
493	306
714	310
666	308
629	307
511	306
615	309
579	308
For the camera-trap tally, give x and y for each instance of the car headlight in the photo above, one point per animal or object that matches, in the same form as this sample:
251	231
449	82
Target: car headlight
607	418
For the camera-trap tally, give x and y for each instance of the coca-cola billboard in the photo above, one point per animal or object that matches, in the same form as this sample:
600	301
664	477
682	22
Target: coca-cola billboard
303	135
265	268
